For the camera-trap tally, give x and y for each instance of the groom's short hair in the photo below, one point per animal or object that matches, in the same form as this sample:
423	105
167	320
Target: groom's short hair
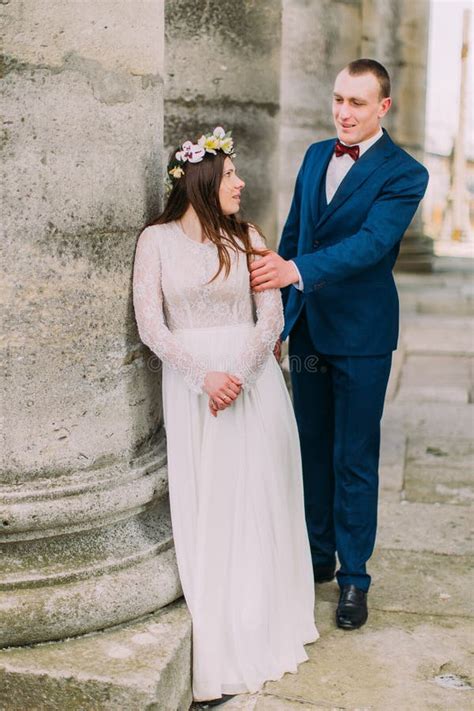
371	66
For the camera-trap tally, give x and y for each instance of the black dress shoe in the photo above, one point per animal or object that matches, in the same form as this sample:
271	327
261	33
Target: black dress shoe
323	573
352	610
213	702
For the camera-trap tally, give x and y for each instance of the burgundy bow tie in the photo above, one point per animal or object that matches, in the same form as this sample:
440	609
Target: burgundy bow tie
340	149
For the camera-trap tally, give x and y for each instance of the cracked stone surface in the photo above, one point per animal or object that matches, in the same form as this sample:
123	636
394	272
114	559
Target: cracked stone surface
440	470
404	525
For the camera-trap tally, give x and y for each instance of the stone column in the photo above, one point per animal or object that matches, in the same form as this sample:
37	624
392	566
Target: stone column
396	34
85	532
457	225
223	68
319	38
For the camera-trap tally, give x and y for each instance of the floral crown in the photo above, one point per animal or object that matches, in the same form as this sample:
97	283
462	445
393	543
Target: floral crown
218	140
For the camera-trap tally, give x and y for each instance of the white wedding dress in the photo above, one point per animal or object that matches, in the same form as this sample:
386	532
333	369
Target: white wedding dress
235	481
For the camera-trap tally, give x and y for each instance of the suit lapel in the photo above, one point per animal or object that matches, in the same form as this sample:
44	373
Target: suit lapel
318	175
358	174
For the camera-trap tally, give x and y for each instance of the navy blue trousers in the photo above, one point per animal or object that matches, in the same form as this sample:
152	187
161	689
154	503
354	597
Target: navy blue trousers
338	403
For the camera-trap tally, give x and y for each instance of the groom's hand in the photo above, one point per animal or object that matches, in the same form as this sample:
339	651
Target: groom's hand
272	272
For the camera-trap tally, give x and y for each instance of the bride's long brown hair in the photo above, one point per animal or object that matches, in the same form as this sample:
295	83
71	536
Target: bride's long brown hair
199	187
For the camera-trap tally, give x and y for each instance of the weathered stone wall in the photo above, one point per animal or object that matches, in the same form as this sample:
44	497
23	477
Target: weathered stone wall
223	68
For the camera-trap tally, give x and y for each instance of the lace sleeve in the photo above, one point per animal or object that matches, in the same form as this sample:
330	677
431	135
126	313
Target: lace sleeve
259	346
148	305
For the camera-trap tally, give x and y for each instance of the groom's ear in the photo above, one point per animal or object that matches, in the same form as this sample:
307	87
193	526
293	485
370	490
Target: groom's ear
385	104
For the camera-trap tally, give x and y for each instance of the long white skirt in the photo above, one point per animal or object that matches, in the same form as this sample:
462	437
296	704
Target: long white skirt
239	529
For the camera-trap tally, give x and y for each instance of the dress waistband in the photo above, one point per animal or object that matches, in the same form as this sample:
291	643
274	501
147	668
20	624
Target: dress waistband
202	329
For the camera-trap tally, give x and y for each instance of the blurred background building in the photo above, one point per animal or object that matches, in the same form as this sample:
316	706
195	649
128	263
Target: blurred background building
448	208
96	94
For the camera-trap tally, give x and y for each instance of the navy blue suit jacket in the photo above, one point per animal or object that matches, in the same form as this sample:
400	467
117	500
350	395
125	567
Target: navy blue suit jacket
346	254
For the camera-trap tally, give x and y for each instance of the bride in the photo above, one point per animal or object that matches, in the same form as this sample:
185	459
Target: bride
234	468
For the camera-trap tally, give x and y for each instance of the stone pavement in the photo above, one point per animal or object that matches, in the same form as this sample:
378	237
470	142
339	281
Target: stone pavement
413	654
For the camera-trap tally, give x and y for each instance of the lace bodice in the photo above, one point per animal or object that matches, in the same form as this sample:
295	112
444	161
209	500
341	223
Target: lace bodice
170	292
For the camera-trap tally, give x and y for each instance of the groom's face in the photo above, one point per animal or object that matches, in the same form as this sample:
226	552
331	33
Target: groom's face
357	106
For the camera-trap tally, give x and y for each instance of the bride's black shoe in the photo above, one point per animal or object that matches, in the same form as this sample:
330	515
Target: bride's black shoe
213	702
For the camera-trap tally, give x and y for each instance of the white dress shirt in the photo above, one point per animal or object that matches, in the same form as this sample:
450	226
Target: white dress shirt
337	170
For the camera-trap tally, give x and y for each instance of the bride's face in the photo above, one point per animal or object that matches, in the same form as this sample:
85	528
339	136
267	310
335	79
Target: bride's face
230	188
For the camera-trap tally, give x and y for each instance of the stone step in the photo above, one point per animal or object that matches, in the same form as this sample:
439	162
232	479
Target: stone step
435	378
426	420
449	302
145	664
433	334
444	301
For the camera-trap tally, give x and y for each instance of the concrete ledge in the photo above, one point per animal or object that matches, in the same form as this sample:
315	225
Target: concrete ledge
142	665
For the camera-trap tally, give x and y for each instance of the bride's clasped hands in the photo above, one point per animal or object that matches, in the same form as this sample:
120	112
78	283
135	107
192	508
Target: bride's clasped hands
223	389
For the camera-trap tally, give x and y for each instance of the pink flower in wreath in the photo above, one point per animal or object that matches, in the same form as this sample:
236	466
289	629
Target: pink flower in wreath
190	151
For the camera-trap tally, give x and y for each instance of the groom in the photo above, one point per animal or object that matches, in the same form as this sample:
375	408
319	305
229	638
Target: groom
354	198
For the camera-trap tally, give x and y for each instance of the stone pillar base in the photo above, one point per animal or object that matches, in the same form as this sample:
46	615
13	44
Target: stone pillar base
141	665
85	550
